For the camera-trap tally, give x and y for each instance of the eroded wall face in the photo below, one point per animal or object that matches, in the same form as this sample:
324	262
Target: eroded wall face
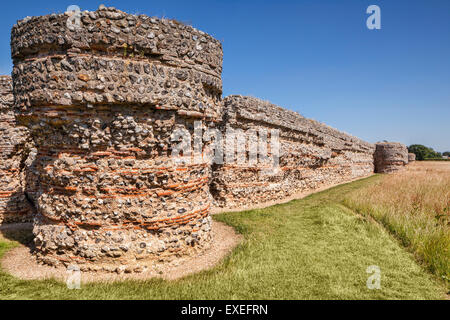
311	155
14	144
411	157
390	157
102	103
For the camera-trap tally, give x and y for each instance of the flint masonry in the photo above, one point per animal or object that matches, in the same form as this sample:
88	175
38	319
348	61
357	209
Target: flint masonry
88	156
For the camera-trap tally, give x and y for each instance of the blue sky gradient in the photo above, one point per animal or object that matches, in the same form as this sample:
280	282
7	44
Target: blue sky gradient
316	57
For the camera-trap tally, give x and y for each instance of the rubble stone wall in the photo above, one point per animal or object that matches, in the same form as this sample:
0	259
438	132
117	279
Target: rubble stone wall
390	157
411	157
101	103
102	98
14	143
312	155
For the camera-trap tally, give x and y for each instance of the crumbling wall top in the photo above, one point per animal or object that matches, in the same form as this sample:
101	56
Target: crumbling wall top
254	109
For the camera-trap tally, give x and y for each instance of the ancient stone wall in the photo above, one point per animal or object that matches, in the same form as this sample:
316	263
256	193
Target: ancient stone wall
311	155
14	144
390	157
101	101
411	157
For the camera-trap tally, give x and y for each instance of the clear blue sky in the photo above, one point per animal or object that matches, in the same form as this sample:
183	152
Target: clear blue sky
316	57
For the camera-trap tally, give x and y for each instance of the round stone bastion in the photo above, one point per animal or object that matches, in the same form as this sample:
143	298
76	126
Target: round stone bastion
390	157
102	93
14	142
411	157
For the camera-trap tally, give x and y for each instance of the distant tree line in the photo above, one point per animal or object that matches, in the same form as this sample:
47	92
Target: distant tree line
425	153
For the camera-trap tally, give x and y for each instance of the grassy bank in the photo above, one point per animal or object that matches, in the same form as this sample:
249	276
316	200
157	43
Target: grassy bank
415	206
314	248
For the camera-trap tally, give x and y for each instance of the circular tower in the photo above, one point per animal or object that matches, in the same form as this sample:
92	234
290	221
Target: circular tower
390	157
103	93
14	143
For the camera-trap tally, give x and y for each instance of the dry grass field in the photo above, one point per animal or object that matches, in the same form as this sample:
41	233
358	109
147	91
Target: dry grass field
311	248
414	205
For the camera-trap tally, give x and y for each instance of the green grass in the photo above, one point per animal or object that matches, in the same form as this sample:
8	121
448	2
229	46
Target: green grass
314	248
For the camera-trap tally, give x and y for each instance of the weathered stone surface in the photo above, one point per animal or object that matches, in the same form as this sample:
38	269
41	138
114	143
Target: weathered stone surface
390	157
14	144
411	157
312	155
101	104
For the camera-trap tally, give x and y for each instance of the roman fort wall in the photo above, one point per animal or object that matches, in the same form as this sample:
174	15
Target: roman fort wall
311	155
88	141
101	100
